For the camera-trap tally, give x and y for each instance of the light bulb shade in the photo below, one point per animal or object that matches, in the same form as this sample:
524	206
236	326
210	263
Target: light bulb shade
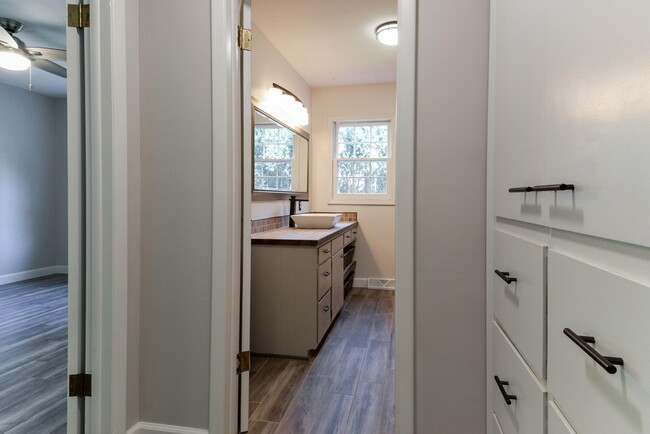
387	33
13	60
274	94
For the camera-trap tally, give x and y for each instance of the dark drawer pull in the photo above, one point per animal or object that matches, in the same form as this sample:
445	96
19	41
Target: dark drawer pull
520	189
505	276
506	397
606	362
554	187
327	273
327	250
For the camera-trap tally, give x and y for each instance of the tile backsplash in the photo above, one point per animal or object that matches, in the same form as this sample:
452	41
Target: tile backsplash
268	224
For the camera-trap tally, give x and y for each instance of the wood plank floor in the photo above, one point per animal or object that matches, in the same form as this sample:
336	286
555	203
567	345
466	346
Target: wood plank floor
33	355
349	387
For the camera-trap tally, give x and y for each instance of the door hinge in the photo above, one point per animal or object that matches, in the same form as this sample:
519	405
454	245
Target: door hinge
243	362
245	39
80	385
79	15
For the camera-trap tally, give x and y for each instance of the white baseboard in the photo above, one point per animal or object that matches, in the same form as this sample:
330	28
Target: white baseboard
32	274
374	283
157	428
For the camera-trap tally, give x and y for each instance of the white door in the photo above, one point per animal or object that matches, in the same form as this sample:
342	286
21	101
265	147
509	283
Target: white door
76	219
247	176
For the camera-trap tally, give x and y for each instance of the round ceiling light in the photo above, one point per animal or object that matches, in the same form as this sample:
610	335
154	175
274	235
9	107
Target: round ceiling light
387	33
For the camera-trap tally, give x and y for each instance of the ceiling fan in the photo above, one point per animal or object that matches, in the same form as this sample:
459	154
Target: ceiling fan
14	54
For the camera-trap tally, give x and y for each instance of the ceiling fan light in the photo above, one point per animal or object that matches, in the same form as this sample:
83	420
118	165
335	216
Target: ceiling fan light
14	61
387	33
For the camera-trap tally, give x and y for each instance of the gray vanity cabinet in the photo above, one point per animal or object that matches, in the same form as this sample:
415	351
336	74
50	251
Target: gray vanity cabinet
296	292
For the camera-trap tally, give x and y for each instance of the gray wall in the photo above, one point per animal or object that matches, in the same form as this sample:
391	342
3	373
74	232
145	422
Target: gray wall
450	187
33	187
176	212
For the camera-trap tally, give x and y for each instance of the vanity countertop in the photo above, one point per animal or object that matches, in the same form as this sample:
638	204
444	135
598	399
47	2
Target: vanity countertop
301	237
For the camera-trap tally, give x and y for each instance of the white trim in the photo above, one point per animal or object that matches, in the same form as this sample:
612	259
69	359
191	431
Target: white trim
155	428
226	214
405	217
32	274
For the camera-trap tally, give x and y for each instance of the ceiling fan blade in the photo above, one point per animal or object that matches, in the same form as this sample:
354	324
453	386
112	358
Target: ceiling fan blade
50	67
47	53
7	39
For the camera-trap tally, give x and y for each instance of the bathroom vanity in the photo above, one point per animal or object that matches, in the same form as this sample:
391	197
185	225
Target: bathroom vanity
298	285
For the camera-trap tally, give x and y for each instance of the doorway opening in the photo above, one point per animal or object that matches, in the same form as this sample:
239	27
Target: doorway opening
348	86
34	296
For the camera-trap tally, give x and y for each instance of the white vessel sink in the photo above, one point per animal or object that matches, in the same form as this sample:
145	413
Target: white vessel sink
315	220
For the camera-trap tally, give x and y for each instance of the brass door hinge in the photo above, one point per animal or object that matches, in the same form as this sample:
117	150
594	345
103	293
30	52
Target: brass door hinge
243	362
80	385
79	15
245	39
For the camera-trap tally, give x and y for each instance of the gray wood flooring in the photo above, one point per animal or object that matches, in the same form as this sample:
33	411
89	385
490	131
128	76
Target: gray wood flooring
33	355
349	387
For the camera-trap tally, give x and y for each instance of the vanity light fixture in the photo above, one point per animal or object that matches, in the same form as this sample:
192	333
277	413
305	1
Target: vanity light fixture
279	99
387	33
13	59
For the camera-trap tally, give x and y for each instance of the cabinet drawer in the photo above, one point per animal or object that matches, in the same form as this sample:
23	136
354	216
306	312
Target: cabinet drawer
324	278
324	315
496	426
350	236
337	243
525	414
520	307
614	311
557	423
324	252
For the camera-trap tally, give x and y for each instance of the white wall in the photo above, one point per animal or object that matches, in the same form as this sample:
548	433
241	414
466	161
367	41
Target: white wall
33	184
176	212
269	66
450	200
375	252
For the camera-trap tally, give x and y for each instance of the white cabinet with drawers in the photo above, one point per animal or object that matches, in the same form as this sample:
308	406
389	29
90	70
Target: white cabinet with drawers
569	105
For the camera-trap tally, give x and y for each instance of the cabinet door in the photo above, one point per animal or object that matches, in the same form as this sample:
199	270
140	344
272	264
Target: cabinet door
338	296
324	278
520	306
525	413
519	104
612	309
599	124
324	315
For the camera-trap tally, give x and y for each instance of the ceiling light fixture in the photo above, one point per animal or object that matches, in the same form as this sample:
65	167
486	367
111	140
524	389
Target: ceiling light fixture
286	106
13	59
387	33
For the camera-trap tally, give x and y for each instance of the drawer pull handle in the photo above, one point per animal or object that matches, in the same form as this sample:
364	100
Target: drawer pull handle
506	397
326	309
327	250
554	187
606	362
548	187
348	236
520	189
505	276
327	273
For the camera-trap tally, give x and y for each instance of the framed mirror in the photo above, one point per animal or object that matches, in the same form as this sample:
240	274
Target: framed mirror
280	157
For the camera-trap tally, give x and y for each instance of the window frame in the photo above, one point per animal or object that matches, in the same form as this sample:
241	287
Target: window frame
292	161
364	198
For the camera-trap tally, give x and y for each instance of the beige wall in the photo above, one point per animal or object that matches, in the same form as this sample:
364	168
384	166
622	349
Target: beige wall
269	66
375	251
450	200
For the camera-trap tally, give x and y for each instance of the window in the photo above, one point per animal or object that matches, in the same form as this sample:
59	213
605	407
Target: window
362	161
273	157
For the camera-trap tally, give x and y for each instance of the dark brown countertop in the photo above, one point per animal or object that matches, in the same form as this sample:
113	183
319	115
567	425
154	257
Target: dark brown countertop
301	237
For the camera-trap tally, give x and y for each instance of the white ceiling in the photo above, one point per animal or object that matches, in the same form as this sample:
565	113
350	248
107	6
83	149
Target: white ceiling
330	42
45	26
